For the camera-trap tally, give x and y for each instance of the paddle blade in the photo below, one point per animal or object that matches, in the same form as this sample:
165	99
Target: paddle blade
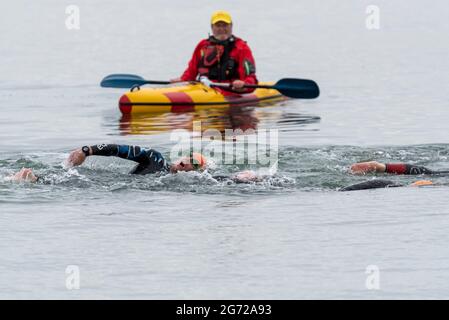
121	81
298	88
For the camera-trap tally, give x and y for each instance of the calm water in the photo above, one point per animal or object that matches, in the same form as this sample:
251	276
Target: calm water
187	236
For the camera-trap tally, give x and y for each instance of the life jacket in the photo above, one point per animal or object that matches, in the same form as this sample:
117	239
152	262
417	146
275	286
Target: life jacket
216	63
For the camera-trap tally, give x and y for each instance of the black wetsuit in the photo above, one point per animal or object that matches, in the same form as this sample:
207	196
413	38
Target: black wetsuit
372	184
403	168
149	160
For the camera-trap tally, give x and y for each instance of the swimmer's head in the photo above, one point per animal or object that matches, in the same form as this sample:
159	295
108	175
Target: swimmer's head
196	161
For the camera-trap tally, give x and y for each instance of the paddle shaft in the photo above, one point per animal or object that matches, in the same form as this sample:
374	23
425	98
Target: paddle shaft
155	82
218	85
259	86
293	88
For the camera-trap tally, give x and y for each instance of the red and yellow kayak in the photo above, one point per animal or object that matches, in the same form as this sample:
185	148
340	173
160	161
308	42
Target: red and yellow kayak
189	97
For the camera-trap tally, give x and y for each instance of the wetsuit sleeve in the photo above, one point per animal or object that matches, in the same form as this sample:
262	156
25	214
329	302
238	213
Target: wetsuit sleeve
247	67
191	72
371	184
149	161
133	153
403	168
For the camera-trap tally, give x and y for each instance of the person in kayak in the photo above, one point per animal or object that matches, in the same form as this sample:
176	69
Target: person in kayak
222	57
148	161
362	168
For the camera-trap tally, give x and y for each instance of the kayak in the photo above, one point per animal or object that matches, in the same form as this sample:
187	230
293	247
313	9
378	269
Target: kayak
189	97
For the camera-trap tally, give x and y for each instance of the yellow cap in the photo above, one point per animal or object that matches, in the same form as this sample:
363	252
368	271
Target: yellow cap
220	16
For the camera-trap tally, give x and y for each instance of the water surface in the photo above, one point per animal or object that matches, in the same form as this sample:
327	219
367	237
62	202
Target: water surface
384	97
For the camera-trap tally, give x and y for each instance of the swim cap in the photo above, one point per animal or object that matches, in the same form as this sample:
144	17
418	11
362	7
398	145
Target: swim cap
198	160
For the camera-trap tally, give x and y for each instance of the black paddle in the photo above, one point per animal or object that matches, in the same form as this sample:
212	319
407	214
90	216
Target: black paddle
293	88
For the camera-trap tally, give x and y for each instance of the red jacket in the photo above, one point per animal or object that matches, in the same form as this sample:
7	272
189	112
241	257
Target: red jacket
240	53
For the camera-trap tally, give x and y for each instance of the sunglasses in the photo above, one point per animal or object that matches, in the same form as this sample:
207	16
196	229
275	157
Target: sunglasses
193	162
194	165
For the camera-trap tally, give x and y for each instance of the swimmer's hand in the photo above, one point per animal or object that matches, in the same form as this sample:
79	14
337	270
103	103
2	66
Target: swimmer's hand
367	167
25	175
246	176
76	158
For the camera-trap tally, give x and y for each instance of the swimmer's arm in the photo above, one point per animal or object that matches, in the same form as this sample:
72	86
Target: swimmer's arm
128	152
394	168
133	153
240	177
367	167
246	177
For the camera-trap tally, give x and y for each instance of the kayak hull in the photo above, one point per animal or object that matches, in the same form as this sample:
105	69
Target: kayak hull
189	97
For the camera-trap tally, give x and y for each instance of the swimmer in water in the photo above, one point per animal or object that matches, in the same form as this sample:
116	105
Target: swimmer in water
363	168
152	161
148	161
